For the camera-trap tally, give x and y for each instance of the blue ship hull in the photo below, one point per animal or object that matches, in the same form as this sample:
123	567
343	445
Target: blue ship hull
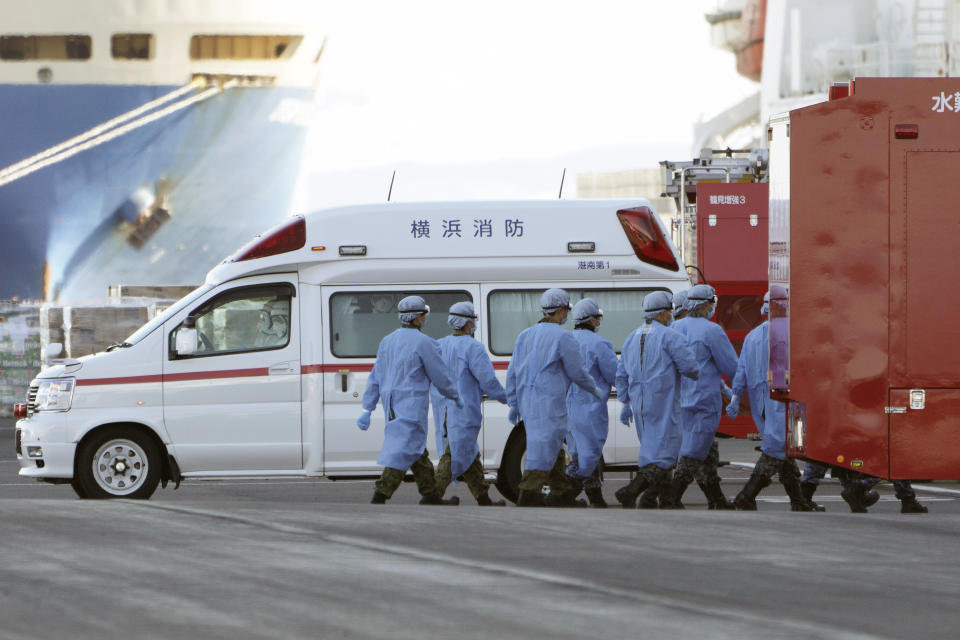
229	171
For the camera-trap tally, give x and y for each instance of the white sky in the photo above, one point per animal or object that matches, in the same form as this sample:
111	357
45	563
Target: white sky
494	99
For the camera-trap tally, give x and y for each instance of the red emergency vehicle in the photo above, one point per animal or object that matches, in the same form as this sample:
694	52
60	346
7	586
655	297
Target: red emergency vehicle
865	349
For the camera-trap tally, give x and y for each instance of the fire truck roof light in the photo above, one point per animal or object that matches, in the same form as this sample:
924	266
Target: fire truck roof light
646	238
906	132
288	236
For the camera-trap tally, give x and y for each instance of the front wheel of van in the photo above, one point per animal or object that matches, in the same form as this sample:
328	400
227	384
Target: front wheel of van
118	462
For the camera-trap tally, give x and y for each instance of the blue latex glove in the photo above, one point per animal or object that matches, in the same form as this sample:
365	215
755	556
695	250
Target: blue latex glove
727	392
626	415
599	393
364	421
733	409
459	403
514	416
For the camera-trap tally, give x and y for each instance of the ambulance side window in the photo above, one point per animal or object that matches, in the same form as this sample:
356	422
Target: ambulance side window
360	319
512	311
245	319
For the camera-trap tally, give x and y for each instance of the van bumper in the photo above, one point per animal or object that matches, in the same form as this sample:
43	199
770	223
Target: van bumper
39	454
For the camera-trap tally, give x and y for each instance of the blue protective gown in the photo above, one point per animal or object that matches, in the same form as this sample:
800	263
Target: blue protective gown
701	400
472	373
408	361
651	386
769	415
546	360
587	416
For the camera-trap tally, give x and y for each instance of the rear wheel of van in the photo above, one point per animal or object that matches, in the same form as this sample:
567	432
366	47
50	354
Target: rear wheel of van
511	466
118	462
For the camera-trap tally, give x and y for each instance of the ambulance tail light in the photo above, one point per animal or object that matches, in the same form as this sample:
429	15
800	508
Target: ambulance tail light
285	237
646	238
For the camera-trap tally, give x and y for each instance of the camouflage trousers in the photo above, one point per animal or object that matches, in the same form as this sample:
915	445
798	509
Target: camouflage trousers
534	479
473	476
703	471
768	466
391	479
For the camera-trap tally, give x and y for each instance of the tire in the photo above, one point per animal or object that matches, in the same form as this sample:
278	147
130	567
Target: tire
117	462
78	488
511	466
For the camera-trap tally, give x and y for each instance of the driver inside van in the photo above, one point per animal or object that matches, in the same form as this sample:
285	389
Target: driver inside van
272	328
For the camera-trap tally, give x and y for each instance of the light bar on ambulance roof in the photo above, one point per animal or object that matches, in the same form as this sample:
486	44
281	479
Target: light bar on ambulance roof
283	238
646	238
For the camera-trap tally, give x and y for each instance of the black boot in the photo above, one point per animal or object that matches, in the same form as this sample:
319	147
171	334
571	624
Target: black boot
485	501
871	498
595	496
437	499
565	499
675	493
807	489
746	500
379	498
716	499
855	497
530	499
795	493
910	505
627	496
649	498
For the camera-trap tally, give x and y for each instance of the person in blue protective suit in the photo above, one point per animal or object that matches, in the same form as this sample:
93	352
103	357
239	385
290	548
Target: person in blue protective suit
658	497
770	417
408	362
702	401
653	359
546	361
457	429
586	415
857	489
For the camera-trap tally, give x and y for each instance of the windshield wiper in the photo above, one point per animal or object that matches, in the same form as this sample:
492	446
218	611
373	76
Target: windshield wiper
118	345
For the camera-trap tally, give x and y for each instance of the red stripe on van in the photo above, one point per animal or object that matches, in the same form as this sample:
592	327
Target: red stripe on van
126	380
215	375
177	377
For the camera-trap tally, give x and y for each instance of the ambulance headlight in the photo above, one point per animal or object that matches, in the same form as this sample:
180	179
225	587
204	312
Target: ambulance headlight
55	395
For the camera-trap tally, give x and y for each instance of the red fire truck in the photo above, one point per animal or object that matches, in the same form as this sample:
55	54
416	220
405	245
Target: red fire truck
722	236
865	350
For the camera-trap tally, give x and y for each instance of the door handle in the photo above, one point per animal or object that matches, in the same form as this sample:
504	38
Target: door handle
281	368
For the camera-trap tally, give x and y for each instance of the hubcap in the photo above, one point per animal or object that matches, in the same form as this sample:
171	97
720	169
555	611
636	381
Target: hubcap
120	467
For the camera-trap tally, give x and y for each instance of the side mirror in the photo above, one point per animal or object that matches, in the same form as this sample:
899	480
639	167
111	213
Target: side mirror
186	341
51	351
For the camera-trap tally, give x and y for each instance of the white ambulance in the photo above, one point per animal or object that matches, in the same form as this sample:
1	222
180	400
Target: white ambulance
260	371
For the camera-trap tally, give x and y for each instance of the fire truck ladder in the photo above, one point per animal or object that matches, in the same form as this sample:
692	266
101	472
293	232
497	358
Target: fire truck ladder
112	128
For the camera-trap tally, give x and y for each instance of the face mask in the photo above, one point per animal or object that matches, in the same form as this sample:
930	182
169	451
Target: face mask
473	330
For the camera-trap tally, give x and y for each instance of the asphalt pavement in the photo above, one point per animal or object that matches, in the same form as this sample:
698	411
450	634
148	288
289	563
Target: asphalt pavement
299	558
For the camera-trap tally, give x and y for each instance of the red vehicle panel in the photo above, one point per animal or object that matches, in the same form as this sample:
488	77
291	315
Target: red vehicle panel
862	247
732	257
